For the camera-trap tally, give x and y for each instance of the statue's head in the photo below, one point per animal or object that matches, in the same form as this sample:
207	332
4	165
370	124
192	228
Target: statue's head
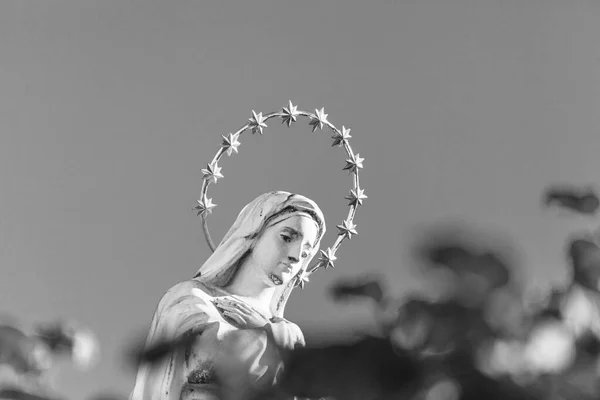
278	233
251	234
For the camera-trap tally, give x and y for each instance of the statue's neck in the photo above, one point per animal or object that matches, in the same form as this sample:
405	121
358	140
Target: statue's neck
247	285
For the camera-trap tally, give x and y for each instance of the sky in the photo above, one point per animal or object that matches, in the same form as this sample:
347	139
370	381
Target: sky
464	110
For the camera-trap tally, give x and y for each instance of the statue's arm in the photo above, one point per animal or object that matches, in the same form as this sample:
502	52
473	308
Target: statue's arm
181	310
286	333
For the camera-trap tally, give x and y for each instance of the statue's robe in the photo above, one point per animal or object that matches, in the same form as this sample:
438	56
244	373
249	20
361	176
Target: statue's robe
238	358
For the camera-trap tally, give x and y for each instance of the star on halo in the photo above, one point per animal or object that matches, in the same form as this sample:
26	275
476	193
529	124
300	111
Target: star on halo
340	138
303	280
327	258
230	143
347	229
356	197
354	163
290	114
212	172
204	206
257	122
320	120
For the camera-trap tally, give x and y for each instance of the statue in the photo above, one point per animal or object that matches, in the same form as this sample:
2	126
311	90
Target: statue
232	309
236	300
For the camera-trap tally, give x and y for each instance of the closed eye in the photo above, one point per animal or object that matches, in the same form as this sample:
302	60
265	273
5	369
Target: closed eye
286	238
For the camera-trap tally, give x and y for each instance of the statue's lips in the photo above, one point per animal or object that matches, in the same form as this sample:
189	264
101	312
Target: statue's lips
277	276
287	267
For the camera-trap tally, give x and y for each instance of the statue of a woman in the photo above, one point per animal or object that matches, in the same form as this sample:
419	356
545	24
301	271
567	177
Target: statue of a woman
234	305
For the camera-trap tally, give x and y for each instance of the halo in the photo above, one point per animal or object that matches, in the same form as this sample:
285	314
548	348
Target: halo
318	120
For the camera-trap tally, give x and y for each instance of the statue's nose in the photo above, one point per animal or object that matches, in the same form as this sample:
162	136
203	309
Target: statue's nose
293	259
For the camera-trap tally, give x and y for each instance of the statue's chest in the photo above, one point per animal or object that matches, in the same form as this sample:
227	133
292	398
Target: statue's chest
208	346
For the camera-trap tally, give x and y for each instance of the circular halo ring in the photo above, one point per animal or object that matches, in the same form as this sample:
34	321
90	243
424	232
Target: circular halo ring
289	114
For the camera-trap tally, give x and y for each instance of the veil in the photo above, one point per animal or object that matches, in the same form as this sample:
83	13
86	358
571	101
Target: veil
264	211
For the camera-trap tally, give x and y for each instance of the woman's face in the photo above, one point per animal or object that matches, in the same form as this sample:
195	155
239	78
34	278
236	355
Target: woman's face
283	249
